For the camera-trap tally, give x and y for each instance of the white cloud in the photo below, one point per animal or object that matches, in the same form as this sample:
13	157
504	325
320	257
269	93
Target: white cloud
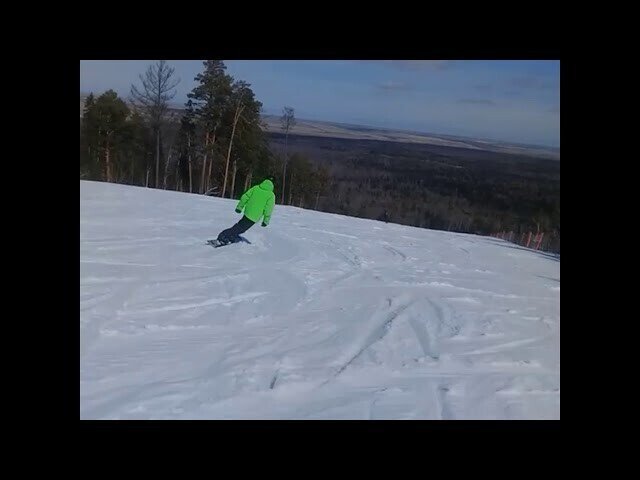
434	65
477	101
392	86
530	82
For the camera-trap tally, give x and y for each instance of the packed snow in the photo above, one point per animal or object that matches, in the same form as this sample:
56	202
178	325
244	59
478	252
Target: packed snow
321	316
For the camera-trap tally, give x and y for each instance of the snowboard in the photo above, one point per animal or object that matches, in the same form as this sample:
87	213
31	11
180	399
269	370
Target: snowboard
216	244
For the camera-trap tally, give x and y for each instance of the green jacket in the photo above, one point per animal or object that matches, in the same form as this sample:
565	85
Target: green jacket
258	201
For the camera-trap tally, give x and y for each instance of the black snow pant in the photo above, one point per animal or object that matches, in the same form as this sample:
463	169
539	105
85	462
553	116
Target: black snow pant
232	235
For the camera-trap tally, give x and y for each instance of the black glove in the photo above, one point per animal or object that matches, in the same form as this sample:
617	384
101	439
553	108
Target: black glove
238	210
264	224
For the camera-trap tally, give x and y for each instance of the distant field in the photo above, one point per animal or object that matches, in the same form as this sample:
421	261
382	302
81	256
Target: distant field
359	132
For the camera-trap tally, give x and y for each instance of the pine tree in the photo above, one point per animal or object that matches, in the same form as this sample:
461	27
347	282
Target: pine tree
210	98
244	113
105	129
186	138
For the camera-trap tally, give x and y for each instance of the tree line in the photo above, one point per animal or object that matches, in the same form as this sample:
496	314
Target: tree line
216	146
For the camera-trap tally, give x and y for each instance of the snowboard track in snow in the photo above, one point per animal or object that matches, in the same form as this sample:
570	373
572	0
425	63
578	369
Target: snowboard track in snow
376	335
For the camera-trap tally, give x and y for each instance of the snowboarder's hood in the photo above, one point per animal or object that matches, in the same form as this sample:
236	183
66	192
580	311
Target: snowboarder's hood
267	185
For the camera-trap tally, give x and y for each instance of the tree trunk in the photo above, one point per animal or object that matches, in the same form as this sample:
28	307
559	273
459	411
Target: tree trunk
284	169
166	166
204	162
300	204
317	198
190	170
247	180
107	161
177	184
211	162
233	178
147	180
157	156
236	117
291	187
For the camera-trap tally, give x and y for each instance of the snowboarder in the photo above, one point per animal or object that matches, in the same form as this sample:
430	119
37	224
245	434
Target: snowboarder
256	202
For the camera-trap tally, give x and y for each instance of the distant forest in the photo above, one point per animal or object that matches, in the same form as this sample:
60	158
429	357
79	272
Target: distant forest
217	145
437	187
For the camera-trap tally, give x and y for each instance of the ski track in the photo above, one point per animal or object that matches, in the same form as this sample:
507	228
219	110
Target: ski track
320	317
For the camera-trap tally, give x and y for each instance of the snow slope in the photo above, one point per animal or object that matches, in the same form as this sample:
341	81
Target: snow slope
322	317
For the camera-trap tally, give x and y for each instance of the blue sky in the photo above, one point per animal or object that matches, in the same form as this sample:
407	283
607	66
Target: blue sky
509	100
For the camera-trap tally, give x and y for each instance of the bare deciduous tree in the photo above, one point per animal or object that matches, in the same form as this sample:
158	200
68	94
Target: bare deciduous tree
153	97
288	121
